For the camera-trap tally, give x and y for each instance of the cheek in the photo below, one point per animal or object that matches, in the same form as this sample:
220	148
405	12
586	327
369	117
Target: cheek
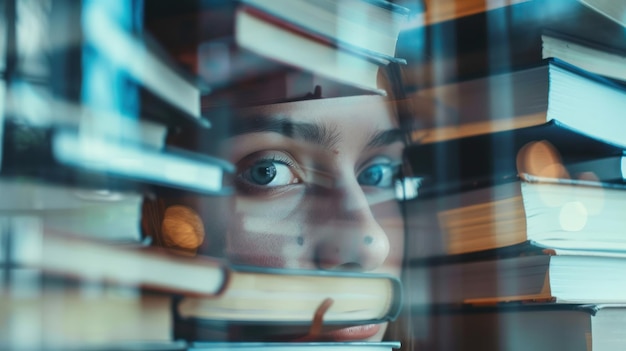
266	233
258	248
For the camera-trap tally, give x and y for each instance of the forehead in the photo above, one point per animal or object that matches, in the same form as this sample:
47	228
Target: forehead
371	110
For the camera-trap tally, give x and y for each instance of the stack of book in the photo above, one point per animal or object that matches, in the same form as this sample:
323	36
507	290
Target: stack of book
517	239
266	51
84	119
260	52
86	101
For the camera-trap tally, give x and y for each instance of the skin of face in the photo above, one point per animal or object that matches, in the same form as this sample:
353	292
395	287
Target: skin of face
314	187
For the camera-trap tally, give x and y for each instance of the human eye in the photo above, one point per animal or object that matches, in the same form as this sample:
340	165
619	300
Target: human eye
267	170
381	174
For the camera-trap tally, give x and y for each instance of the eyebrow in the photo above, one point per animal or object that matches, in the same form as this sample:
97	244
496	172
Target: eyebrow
384	138
319	134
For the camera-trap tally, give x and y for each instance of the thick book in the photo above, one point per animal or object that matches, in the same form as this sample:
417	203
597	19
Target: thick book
62	315
367	25
533	211
498	40
484	160
559	276
551	90
70	156
516	327
213	290
294	46
32	104
103	47
91	212
205	38
590	56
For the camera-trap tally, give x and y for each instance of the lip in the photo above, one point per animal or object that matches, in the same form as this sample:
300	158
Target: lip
355	333
297	334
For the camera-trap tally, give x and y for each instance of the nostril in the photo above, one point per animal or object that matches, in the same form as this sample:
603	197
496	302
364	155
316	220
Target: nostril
327	264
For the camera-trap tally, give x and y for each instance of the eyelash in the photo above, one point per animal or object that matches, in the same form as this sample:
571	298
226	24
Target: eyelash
245	167
391	173
247	184
280	159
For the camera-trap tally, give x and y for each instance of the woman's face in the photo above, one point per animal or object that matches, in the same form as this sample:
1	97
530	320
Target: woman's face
315	189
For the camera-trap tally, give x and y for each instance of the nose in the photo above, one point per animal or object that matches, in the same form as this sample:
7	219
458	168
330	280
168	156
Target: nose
351	238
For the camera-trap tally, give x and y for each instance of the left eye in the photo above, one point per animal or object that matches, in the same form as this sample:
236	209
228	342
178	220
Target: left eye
379	175
269	173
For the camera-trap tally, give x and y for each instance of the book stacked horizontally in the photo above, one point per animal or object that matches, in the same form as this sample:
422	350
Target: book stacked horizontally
76	310
519	229
268	51
88	98
86	101
85	117
260	52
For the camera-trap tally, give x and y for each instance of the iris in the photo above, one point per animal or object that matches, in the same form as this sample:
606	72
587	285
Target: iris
263	172
372	175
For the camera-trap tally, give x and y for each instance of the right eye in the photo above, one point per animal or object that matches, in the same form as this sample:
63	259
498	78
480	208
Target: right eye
268	172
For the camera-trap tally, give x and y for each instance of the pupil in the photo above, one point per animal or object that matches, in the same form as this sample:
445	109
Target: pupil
371	176
263	173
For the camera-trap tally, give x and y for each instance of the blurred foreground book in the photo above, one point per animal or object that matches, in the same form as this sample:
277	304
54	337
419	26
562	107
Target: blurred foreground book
347	42
66	292
51	314
211	289
91	212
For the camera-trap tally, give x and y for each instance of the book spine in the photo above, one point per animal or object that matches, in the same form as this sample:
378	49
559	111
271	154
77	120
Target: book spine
79	258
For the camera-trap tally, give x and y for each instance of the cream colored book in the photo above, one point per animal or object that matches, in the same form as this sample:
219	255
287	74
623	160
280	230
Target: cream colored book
213	290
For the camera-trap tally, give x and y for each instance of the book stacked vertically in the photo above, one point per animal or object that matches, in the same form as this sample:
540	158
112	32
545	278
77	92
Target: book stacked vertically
519	231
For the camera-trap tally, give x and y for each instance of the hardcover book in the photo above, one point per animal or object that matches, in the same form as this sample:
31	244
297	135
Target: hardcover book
537	212
518	327
559	276
552	90
295	46
213	290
